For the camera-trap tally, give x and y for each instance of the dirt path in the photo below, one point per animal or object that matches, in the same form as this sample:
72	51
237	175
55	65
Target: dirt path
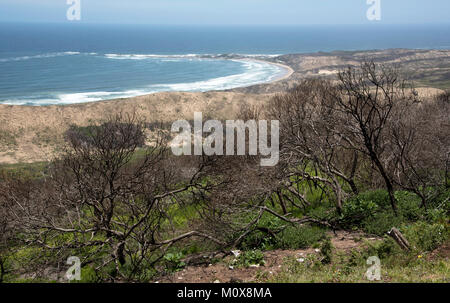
222	272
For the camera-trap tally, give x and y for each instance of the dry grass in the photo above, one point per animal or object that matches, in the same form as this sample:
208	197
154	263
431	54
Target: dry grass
31	134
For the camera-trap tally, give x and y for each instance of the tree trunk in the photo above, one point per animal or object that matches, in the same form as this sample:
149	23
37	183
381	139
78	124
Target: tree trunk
395	234
387	181
353	187
424	202
352	175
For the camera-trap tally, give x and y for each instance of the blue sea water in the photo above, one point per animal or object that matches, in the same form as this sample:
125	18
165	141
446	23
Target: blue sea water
42	64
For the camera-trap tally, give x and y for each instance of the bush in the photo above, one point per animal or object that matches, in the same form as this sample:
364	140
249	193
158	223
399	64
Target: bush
250	257
382	249
380	223
371	211
262	240
173	261
291	237
380	197
299	237
361	207
409	206
423	236
436	216
89	275
326	250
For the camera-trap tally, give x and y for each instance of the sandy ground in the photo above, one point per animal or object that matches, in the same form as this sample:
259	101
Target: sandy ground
30	134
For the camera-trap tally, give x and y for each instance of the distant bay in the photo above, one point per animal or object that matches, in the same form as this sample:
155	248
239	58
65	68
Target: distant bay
42	64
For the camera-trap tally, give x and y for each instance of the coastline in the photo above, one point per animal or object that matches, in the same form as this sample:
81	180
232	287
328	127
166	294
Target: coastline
283	72
35	133
288	74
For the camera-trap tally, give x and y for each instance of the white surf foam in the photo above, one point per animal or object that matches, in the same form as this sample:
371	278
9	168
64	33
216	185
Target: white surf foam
96	96
256	72
139	56
147	56
199	56
49	55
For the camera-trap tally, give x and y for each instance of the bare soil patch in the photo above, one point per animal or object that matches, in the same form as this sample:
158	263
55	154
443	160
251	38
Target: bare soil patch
223	273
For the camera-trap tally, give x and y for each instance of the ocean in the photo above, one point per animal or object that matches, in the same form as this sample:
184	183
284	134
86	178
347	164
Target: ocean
43	64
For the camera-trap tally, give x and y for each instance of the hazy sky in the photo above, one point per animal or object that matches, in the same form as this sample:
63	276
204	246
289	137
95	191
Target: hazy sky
228	11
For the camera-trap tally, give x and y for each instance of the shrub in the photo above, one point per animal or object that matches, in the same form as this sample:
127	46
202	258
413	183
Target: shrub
299	237
173	261
382	249
380	223
409	205
262	240
89	275
359	208
291	237
251	257
436	216
424	236
326	250
322	212
258	240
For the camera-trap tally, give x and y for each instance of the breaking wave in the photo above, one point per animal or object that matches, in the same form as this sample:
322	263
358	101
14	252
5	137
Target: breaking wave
49	55
254	72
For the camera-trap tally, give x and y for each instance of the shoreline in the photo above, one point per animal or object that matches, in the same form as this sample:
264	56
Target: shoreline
288	71
288	74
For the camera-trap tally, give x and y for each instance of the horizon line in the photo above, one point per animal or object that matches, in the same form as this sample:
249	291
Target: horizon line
221	24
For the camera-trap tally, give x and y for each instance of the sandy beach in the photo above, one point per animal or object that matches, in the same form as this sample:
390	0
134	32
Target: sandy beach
287	68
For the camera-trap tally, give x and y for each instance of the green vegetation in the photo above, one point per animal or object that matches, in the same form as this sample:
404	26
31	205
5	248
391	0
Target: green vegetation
24	170
351	268
352	162
249	258
272	234
174	261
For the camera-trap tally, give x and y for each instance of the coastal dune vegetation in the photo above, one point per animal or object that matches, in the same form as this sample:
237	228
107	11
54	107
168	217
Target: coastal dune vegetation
362	154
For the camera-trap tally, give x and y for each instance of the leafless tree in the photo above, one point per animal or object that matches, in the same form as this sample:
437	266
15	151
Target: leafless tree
310	148
366	100
109	200
420	145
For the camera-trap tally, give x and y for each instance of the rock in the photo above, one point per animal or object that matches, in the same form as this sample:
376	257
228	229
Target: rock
216	281
300	260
